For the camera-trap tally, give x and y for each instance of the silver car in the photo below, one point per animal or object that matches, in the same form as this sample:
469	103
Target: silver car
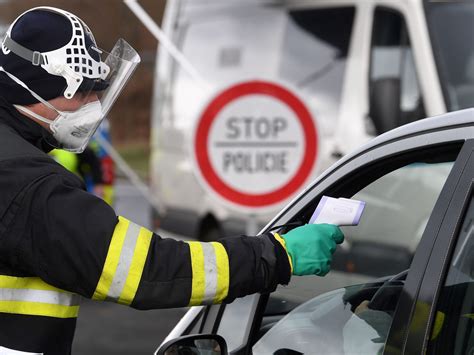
403	281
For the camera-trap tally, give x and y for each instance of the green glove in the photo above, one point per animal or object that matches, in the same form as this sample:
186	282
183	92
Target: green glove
311	247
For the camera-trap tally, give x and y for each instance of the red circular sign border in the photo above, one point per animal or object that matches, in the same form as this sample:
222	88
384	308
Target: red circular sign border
202	135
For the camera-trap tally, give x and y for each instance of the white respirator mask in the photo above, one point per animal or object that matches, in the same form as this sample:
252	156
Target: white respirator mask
73	129
94	84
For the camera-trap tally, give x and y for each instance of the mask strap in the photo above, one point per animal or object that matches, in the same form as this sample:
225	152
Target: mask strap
31	113
36	58
34	94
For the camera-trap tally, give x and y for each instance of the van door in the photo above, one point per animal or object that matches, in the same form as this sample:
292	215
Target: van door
391	77
395	98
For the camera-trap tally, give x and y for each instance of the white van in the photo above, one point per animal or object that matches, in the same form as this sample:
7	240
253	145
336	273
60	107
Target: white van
361	68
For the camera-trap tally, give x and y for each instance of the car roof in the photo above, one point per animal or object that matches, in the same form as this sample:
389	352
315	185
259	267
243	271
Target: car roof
462	118
441	122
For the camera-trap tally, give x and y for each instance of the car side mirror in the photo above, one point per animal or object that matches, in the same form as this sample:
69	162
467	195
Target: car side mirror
385	104
197	344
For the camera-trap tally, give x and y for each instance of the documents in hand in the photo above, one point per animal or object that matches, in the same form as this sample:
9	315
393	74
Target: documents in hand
338	211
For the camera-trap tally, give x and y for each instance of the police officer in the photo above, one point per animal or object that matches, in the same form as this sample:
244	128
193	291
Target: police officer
59	243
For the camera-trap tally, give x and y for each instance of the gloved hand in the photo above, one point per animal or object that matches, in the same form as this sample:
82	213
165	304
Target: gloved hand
311	247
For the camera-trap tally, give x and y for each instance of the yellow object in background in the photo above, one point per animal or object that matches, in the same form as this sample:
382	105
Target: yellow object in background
67	159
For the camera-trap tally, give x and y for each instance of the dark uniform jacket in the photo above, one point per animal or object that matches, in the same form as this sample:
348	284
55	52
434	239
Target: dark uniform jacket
59	243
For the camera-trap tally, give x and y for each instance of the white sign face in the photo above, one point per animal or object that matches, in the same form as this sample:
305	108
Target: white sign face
255	144
256	150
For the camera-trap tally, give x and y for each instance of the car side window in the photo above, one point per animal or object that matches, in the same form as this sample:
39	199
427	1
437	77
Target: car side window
393	73
400	193
453	331
398	206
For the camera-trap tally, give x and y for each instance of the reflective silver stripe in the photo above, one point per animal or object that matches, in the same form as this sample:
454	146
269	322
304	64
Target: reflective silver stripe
210	273
123	267
42	296
7	351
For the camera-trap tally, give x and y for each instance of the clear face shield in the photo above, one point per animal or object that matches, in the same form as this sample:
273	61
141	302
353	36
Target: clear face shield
94	80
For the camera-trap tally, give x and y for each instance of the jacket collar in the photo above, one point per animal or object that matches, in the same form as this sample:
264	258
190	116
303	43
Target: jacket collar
26	128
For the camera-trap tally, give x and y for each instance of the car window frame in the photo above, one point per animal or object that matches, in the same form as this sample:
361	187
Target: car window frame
383	150
432	225
408	151
391	162
349	164
427	270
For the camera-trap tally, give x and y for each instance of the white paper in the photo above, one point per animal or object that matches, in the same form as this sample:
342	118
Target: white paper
338	211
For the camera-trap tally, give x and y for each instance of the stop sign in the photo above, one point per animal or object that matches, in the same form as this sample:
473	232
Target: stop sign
255	144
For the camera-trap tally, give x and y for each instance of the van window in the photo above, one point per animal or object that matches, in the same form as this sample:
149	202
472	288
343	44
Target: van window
392	64
302	48
316	43
451	25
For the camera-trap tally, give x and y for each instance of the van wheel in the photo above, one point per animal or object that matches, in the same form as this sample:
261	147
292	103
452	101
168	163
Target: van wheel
210	232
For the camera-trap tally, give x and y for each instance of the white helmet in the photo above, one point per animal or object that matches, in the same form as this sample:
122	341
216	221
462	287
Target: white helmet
79	62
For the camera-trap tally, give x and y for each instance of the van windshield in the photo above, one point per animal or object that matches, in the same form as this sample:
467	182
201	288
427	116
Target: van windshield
302	48
451	25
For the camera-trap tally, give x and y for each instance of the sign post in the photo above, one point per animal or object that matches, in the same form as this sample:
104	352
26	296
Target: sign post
255	145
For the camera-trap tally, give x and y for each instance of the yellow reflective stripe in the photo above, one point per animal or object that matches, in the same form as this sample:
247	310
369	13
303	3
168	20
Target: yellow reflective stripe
223	273
282	242
33	296
136	267
124	264
210	273
39	309
438	324
112	259
198	280
34	283
108	194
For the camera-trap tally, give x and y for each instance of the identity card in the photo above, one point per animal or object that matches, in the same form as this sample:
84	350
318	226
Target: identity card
338	211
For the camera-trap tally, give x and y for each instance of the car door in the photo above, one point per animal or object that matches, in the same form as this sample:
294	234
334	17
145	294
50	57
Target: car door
401	191
436	310
452	321
242	321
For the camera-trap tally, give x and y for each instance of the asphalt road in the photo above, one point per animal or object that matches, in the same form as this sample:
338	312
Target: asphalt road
106	329
110	329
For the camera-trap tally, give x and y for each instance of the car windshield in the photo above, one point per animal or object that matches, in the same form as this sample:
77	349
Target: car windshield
451	25
351	320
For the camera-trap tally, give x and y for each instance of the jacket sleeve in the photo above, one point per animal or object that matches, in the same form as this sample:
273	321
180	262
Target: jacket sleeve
76	242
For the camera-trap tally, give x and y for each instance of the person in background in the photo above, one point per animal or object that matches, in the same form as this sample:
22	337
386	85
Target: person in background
106	163
85	165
